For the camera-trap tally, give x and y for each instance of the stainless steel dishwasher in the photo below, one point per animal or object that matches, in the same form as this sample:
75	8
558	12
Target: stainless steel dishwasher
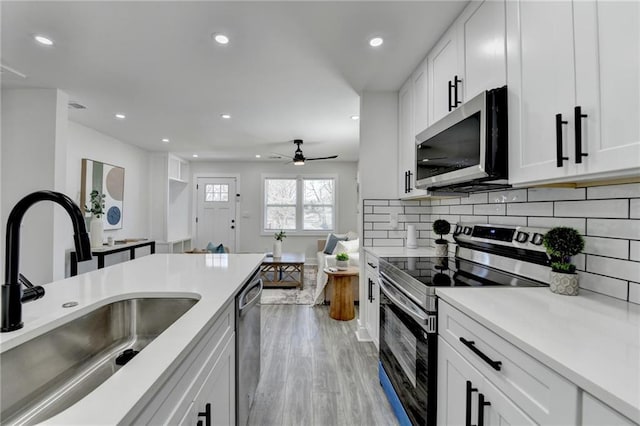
247	346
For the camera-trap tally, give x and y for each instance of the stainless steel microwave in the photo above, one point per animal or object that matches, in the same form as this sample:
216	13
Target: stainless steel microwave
466	151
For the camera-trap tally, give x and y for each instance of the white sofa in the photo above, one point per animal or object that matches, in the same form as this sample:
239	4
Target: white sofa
327	260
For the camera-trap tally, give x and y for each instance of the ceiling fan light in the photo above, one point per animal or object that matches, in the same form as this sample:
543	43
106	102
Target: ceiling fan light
298	162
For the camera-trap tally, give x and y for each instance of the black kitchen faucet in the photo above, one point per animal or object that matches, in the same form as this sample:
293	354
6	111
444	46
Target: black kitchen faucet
12	294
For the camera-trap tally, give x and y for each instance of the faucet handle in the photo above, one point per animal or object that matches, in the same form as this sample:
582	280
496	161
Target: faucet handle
32	292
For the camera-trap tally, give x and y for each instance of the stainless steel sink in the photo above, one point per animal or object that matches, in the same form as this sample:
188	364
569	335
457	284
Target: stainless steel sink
45	375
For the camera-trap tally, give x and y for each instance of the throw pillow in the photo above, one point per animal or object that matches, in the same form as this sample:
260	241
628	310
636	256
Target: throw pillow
352	236
211	248
219	249
332	240
349	246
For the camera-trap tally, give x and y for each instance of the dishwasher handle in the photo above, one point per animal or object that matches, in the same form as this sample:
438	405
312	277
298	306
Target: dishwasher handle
254	300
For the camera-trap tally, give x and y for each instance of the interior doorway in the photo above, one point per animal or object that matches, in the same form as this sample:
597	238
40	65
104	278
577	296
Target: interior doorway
216	220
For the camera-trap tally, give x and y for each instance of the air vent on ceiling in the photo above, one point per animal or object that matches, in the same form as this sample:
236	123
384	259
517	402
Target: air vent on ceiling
10	72
76	105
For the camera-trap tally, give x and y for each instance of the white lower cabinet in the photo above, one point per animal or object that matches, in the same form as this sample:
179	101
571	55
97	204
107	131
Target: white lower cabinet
201	385
372	302
596	413
466	397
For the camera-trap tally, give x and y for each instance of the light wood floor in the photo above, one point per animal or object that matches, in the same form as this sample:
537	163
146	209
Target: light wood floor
315	372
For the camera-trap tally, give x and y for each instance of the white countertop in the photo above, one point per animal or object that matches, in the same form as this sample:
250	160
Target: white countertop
214	279
401	251
591	339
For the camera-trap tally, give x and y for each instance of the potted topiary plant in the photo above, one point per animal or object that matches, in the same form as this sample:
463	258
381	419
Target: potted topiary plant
342	261
441	227
561	243
277	244
96	227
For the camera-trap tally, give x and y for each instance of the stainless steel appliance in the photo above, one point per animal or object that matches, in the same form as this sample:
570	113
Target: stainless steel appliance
466	151
486	255
247	346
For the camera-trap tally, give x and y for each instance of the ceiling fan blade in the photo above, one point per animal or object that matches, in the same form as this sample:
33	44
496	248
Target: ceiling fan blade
321	158
282	155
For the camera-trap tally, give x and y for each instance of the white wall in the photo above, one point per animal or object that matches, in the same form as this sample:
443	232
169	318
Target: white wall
34	126
249	228
84	142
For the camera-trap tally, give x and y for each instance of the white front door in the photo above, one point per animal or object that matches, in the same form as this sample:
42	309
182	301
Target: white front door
216	220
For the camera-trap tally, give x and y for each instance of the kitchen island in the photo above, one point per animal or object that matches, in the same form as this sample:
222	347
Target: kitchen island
127	396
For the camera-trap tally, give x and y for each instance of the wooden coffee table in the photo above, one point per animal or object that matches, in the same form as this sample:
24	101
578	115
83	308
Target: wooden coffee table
341	307
285	271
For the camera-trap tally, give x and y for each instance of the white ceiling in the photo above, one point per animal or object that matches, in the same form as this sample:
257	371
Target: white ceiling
291	70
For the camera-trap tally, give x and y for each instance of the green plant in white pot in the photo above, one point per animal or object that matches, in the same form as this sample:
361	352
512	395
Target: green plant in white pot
277	244
96	227
342	261
442	228
561	243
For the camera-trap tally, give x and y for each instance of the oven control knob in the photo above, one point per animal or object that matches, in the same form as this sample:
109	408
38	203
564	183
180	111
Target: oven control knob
467	230
458	230
537	239
522	237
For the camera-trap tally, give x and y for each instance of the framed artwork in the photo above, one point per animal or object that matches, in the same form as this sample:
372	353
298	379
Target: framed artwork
107	179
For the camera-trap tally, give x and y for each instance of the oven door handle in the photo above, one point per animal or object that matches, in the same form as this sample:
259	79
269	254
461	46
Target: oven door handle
406	305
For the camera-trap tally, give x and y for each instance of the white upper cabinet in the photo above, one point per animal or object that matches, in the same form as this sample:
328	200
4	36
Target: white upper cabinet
444	75
540	81
483	50
549	136
607	43
420	98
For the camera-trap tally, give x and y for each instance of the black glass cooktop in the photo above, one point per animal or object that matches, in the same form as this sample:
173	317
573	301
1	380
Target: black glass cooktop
449	272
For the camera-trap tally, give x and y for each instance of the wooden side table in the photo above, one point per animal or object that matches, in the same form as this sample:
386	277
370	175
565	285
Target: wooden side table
341	307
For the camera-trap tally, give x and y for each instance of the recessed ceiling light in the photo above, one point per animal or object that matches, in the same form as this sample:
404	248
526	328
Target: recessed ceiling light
120	116
195	155
355	117
225	116
258	156
43	40
221	38
376	41
165	140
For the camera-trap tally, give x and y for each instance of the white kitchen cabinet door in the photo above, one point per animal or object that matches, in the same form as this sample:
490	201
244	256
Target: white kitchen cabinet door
596	413
455	401
405	136
483	49
540	79
501	411
442	68
607	43
216	398
372	301
420	99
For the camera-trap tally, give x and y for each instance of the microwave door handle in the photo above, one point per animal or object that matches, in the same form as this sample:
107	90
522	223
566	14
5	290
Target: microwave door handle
406	306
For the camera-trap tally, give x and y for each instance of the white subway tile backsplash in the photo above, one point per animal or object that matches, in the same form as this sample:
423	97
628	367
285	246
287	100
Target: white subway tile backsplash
367	225
634	250
510	196
435	202
387	209
610	247
604	285
634	292
367	209
474	219
440	210
420	226
634	208
580	261
376	202
389	242
622	269
479	198
530	209
449	201
630	190
461	209
508	220
553	194
489	209
417	210
425	218
376	234
408	218
551	222
598	208
367	242
425	202
614	228
385	226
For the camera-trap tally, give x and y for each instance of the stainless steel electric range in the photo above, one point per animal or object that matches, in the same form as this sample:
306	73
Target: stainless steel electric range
486	255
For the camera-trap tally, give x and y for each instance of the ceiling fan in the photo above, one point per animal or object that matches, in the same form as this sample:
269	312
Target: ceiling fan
298	158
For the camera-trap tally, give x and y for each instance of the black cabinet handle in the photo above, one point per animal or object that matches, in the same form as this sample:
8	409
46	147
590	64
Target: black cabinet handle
372	265
578	115
467	415
406	181
206	414
456	81
369	289
409	189
481	404
496	365
450	89
559	157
